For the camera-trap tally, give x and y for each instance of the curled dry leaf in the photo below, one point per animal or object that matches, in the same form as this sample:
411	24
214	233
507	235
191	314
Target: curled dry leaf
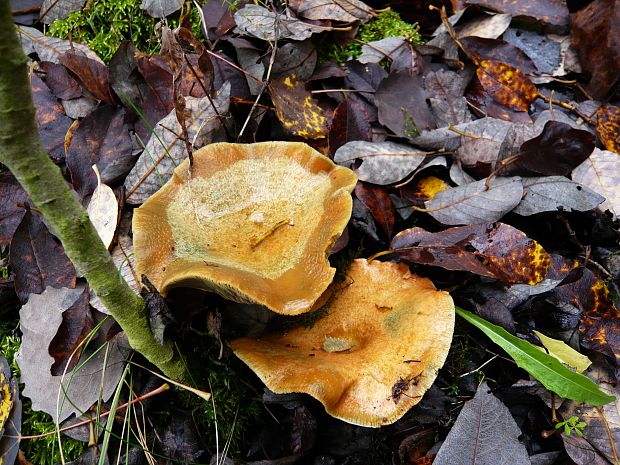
259	22
476	202
161	8
601	173
553	193
296	109
103	210
337	10
506	85
498	251
382	162
608	127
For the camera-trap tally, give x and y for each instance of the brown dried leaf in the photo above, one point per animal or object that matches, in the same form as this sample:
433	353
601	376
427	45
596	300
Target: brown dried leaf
379	205
337	10
506	85
495	250
553	13
296	109
608	127
93	75
12	206
601	173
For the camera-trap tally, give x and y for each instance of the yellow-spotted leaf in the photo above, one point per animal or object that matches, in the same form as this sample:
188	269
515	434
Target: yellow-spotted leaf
506	85
608	127
564	353
7	394
296	109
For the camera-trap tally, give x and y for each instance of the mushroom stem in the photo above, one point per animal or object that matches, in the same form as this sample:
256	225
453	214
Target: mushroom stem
21	151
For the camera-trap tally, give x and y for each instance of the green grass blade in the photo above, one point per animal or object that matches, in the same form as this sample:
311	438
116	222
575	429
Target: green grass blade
546	369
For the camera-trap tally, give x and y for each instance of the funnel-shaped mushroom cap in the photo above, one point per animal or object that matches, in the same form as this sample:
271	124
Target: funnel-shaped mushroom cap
374	354
253	223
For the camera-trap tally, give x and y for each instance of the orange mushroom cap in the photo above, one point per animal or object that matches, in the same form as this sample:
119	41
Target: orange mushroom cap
253	223
374	354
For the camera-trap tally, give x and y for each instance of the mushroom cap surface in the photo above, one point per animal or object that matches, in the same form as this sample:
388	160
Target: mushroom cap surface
253	223
374	354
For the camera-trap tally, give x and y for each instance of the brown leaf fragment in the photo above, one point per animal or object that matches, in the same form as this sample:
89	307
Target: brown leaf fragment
506	85
66	346
296	109
336	10
496	250
476	203
217	17
499	50
51	120
93	75
12	206
350	122
595	37
259	22
608	127
379	205
59	81
38	260
551	13
601	173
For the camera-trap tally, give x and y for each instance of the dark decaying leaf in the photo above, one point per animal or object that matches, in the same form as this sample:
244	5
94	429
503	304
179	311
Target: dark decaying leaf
496	250
38	260
364	78
555	152
608	127
506	84
401	102
601	173
543	51
94	76
180	440
102	138
595	37
498	50
296	109
379	205
12	208
303	430
484	434
553	193
51	120
66	346
445	89
259	22
581	452
296	57
476	202
10	415
362	220
479	98
161	8
51	10
217	17
59	81
551	13
382	162
337	10
351	122
159	314
50	48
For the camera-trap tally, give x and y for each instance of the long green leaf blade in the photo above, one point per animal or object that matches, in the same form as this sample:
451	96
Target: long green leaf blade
546	369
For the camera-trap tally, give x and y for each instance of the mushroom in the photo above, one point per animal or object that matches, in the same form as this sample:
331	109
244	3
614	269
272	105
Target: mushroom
374	354
251	222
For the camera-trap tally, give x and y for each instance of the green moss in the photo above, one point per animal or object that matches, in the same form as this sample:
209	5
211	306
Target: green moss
387	24
104	24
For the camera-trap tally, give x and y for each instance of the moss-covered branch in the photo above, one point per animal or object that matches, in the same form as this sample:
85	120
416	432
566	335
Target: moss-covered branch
21	151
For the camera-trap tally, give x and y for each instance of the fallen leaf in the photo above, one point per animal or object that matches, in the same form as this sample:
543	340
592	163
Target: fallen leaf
40	319
379	205
498	251
51	120
77	322
10	415
544	52
382	162
446	89
395	49
488	26
51	10
217	17
608	127
259	22
37	259
8	393
555	193
401	102
350	123
296	57
581	452
506	85
346	11
556	151
59	81
165	149
598	46
484	434
552	13
102	138
601	173
458	175
50	48
424	189
475	203
500	51
161	8
296	109
564	353
103	210
12	209
542	366
92	74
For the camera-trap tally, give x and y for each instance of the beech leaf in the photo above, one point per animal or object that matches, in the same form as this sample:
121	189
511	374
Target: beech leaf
475	203
484	434
542	366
